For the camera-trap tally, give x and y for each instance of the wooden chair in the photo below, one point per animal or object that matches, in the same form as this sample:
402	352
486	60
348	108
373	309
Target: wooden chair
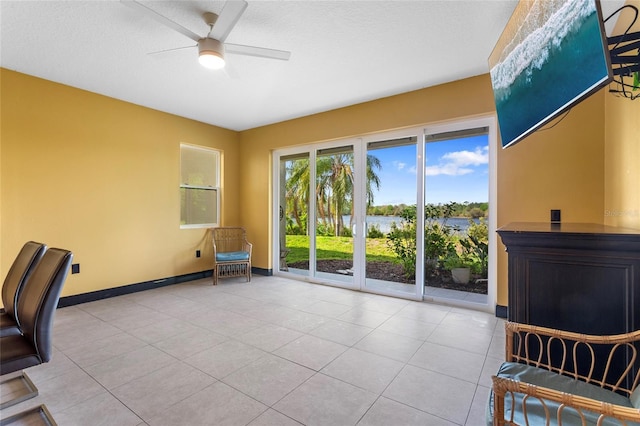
231	253
554	377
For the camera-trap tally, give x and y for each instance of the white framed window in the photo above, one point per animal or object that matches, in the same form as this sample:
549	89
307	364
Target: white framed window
199	187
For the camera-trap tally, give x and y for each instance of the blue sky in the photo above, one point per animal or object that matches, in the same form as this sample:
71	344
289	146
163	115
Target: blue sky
457	170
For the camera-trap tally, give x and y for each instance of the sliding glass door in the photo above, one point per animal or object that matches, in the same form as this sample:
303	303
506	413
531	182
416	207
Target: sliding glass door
335	175
390	213
457	213
339	204
391	221
315	225
293	219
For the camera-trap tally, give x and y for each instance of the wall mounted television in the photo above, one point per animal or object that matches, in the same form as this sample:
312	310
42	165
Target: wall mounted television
550	56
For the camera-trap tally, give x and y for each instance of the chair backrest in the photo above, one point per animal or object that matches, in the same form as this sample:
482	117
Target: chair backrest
19	272
227	239
39	299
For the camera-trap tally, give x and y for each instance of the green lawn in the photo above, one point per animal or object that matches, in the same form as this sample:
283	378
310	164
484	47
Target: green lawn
336	248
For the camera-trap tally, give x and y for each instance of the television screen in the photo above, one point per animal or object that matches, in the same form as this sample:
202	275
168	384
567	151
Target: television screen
550	56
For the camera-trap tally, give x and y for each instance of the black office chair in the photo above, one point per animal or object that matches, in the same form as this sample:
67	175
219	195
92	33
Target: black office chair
13	283
36	306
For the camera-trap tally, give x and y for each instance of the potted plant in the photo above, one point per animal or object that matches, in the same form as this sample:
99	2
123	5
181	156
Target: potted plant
460	268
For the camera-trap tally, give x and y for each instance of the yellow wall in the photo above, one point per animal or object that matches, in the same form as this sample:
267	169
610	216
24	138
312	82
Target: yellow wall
622	163
3	271
559	168
622	153
100	177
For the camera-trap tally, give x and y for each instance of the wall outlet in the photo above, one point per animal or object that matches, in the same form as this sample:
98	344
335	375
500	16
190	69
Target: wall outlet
75	268
197	253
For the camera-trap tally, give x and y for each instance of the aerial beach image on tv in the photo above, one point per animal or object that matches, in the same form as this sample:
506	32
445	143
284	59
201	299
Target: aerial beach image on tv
551	54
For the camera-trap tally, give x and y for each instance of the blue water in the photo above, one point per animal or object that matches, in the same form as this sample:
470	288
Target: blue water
384	222
554	65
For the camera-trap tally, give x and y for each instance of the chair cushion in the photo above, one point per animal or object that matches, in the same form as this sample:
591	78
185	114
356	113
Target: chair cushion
635	398
540	377
232	256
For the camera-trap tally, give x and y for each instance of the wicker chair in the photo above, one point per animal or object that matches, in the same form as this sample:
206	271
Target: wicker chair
556	377
231	253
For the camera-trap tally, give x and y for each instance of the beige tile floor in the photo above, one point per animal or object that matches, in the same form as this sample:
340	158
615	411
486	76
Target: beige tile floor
271	352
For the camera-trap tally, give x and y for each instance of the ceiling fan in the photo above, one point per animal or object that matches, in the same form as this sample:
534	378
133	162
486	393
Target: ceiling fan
212	48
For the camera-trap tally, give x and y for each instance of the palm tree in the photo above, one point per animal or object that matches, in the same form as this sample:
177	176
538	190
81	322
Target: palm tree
323	190
297	191
333	188
373	179
341	182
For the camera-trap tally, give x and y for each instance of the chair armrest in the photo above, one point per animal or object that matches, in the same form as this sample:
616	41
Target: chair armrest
515	327
531	345
503	386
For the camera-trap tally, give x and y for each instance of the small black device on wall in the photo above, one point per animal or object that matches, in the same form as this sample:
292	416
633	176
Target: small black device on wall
555	216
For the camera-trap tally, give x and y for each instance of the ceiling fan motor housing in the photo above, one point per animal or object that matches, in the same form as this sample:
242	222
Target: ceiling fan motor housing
211	53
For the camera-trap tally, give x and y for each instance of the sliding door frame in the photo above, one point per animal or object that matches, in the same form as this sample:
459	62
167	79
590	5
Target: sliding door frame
360	149
418	133
490	122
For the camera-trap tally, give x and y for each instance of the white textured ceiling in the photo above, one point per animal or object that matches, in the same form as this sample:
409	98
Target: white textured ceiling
343	52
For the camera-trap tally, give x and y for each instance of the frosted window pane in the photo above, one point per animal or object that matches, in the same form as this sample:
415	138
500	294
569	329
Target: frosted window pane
198	167
198	206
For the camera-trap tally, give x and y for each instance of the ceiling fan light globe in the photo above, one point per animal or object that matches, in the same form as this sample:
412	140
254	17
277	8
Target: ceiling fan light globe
211	61
211	53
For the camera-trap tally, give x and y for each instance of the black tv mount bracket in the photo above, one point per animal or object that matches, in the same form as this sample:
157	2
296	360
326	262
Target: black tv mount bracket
622	63
628	63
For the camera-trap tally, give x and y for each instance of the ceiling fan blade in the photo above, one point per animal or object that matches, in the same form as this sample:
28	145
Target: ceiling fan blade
260	52
162	19
228	18
158	52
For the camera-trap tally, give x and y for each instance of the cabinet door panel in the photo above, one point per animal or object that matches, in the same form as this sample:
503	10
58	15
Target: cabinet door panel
593	298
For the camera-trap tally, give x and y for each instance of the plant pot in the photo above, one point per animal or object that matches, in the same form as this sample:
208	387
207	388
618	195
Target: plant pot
461	275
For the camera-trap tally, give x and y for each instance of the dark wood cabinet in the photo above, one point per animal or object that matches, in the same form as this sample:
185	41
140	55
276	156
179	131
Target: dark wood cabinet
577	277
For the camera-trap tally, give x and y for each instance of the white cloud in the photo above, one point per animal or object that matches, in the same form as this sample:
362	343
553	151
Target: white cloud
467	158
447	169
399	165
457	163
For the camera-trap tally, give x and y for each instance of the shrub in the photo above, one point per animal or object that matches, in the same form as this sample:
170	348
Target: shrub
438	237
324	229
375	232
454	260
293	228
476	246
402	240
